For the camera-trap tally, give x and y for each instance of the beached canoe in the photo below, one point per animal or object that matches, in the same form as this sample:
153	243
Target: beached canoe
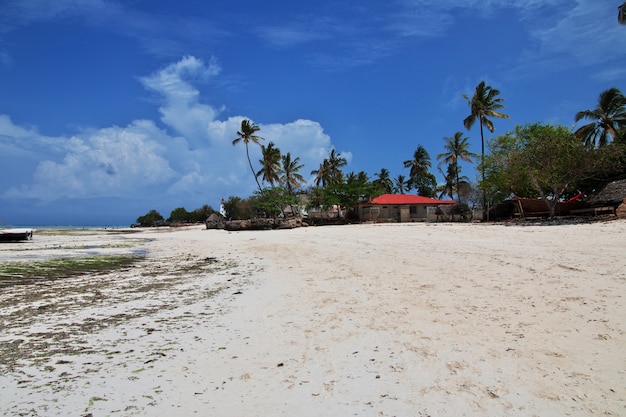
13	235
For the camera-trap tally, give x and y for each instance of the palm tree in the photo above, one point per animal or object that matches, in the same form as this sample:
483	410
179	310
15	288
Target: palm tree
322	174
621	14
420	165
362	177
457	147
384	180
335	163
453	184
401	185
448	187
247	135
484	104
291	178
329	171
608	119
270	164
357	178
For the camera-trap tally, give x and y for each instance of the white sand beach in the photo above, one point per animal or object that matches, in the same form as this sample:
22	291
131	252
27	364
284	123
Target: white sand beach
361	320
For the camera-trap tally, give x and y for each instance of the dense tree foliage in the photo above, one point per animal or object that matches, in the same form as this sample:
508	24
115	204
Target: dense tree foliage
178	215
152	218
202	213
199	215
545	161
237	208
272	202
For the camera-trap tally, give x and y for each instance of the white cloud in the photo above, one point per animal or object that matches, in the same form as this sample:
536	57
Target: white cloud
571	34
182	110
14	13
108	162
10	130
291	35
586	30
611	75
195	165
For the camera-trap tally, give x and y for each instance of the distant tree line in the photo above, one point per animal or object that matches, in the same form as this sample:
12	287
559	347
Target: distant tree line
179	215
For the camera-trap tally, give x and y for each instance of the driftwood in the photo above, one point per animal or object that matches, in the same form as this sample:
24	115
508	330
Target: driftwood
255	224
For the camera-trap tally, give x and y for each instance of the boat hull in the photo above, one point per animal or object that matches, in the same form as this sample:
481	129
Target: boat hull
15	235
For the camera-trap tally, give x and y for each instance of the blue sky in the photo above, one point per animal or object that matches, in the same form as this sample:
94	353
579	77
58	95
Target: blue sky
109	109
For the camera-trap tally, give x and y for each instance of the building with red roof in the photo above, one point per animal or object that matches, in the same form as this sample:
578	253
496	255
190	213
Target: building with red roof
399	208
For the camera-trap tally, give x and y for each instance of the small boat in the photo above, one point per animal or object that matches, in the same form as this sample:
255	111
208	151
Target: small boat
14	235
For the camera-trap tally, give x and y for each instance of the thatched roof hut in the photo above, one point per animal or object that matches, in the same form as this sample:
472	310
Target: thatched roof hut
612	194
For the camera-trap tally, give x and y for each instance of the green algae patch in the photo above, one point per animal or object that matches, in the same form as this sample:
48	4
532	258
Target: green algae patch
29	272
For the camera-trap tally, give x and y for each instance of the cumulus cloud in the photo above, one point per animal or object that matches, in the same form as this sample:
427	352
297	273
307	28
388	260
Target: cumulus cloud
190	160
9	130
107	162
182	109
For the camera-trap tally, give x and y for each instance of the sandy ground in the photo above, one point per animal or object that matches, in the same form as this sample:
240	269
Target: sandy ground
370	320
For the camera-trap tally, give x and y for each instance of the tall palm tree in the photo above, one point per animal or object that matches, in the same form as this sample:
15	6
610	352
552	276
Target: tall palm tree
329	171
335	163
448	187
621	14
401	185
322	174
484	104
384	180
420	165
247	135
608	119
270	164
452	183
362	177
291	178
457	147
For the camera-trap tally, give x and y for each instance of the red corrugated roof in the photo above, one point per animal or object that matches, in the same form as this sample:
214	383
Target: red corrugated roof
398	199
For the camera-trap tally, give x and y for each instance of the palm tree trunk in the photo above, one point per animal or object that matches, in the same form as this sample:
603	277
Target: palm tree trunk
482	163
458	191
252	169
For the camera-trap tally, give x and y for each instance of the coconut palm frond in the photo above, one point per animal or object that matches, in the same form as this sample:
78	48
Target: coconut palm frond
607	119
